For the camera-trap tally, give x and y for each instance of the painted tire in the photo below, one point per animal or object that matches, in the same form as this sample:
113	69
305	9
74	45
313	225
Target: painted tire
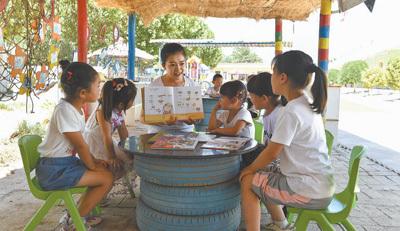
203	200
187	172
152	220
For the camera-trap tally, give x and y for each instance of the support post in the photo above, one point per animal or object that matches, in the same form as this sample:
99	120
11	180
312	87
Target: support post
82	31
278	36
131	44
324	27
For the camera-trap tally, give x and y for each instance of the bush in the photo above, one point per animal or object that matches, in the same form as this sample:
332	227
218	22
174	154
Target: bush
24	128
5	107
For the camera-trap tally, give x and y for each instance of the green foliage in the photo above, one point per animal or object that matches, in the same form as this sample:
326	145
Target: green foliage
25	128
334	76
393	73
242	55
352	72
5	107
374	78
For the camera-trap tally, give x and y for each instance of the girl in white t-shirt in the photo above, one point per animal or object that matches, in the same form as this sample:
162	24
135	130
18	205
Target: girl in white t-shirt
116	97
236	119
58	166
304	178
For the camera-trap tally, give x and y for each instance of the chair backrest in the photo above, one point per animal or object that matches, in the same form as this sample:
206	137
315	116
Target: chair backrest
30	156
259	131
329	141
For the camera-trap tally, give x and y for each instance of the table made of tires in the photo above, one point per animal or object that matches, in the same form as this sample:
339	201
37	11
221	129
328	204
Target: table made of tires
187	190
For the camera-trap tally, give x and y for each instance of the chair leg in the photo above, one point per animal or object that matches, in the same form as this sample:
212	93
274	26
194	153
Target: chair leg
128	184
348	225
37	218
302	221
323	222
73	212
290	217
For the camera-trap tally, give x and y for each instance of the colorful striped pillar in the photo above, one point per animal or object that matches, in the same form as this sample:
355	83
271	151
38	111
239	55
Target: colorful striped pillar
324	26
131	44
82	31
278	36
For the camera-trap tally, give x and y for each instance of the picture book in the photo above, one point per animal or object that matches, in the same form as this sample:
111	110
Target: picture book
174	142
226	143
161	104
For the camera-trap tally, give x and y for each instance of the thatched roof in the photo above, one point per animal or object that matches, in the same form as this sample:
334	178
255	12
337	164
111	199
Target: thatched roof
257	9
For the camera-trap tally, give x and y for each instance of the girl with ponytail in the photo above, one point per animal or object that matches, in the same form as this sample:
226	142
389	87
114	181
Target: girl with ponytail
304	178
116	97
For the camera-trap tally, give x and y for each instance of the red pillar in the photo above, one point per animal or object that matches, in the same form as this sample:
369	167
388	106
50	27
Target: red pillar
82	31
83	40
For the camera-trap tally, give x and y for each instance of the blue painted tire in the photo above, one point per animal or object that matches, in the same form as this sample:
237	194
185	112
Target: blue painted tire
151	220
203	200
187	172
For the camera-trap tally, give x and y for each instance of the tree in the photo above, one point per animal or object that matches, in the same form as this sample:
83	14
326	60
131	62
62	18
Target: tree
393	73
352	71
374	78
334	76
243	55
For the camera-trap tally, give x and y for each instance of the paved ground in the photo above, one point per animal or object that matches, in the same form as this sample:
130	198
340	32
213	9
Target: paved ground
378	207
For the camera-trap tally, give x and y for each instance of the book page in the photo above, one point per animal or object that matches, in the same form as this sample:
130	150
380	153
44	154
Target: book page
188	100
158	101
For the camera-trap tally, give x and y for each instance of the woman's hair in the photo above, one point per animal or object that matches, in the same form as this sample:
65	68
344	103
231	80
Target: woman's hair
216	76
114	92
170	49
233	89
77	76
63	64
260	85
299	66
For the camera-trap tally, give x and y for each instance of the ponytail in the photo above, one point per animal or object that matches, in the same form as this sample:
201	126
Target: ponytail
319	90
106	100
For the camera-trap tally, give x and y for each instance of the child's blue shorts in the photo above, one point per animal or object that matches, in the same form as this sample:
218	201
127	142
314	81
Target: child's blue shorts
59	172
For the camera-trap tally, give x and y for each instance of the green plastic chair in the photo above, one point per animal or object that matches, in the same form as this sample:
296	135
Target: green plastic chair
340	207
329	141
28	147
259	131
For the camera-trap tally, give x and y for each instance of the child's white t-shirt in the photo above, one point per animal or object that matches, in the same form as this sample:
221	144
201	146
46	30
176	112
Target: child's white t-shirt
65	118
242	114
212	92
304	159
269	122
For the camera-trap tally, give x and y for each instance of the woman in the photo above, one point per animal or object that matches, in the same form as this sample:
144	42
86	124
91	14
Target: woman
173	60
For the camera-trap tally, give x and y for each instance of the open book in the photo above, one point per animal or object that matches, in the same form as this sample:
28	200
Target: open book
175	142
160	104
226	143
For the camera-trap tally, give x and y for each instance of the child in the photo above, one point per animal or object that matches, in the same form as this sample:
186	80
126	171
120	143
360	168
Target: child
262	97
305	176
116	97
58	167
214	90
236	119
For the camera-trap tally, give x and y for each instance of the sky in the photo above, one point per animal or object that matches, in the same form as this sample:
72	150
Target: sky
354	34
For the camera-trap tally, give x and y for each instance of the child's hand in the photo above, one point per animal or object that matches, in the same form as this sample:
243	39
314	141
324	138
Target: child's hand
217	106
190	121
171	121
100	164
245	172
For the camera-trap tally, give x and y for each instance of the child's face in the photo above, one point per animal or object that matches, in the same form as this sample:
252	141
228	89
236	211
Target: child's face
218	82
93	93
277	81
227	104
259	102
175	65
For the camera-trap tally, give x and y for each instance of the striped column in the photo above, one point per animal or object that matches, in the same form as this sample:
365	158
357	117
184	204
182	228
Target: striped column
278	36
324	26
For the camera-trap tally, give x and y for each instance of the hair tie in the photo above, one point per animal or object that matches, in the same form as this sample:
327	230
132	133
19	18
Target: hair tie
69	75
312	68
119	86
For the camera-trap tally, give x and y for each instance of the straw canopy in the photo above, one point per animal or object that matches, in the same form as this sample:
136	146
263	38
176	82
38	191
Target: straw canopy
257	9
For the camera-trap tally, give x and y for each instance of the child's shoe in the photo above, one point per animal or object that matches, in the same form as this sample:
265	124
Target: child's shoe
275	227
